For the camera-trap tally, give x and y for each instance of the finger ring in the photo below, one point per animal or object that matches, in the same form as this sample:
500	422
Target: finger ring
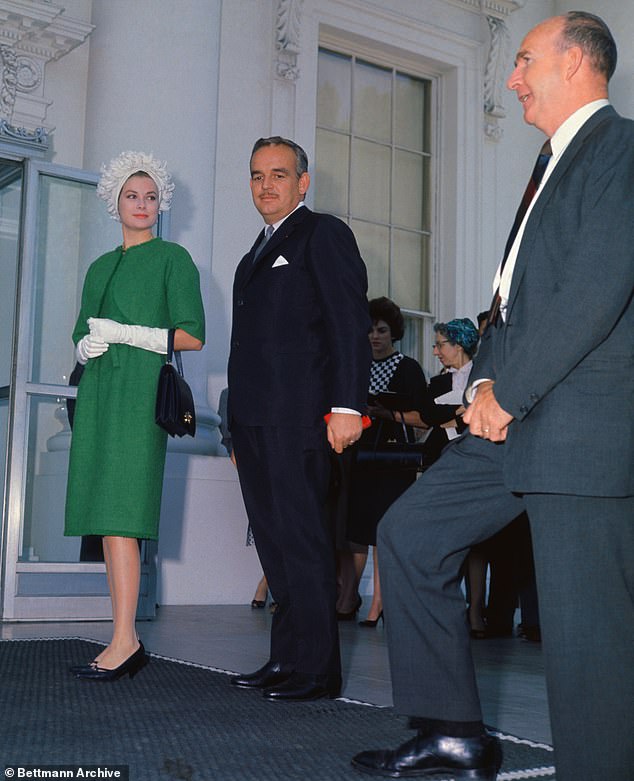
485	430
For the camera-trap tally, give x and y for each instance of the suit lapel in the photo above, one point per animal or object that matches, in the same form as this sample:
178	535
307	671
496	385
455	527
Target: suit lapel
280	235
534	220
243	271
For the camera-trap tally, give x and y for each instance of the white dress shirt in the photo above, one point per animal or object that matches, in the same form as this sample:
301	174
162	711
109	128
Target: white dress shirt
559	142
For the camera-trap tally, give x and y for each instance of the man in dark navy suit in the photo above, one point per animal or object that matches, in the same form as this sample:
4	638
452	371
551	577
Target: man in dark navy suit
551	431
299	352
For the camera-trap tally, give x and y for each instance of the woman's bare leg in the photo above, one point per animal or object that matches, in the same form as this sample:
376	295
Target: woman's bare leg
123	567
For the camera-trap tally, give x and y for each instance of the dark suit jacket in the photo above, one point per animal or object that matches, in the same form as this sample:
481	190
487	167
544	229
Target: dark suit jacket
299	342
563	363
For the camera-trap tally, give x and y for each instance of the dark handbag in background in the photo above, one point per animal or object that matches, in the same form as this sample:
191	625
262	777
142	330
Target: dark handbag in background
393	456
174	401
75	377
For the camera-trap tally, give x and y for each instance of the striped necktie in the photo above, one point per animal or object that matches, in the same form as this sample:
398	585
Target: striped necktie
529	193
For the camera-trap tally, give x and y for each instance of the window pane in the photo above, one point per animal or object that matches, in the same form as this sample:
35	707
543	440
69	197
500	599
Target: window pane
374	245
73	230
407	193
333	90
370	181
411	122
372	102
409	271
10	216
412	341
332	162
384	173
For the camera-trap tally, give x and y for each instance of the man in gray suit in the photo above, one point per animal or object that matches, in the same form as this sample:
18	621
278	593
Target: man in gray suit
551	432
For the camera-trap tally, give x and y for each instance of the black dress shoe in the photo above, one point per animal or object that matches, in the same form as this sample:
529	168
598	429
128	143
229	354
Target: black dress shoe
271	674
131	667
301	687
531	633
476	759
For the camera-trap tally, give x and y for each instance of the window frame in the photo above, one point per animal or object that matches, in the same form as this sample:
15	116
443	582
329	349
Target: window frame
419	321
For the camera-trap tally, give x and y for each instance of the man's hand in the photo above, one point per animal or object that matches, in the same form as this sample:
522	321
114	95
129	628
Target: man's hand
485	417
343	430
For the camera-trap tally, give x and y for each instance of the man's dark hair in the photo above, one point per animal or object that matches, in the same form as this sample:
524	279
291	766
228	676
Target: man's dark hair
592	34
385	309
301	158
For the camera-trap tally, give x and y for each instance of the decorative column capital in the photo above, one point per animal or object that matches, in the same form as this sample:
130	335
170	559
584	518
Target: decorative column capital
32	34
499	8
287	38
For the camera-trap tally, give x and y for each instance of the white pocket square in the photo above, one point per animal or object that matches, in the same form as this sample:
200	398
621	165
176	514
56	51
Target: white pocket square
280	261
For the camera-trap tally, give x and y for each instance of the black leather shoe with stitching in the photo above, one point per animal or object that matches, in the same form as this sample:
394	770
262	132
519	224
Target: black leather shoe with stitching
476	759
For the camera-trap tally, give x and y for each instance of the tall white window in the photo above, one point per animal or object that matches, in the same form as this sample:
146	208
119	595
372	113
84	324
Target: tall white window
372	169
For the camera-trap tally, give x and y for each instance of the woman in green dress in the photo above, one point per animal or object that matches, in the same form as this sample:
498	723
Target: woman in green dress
131	297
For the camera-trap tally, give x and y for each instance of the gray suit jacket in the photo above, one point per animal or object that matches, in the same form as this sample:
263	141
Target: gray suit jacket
563	363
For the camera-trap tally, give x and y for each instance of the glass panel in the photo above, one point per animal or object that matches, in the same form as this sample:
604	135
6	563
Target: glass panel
407	193
10	213
73	229
332	163
374	244
412	341
333	90
370	181
411	120
409	271
372	102
47	466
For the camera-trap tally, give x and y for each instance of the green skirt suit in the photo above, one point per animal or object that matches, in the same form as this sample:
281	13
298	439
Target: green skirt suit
117	453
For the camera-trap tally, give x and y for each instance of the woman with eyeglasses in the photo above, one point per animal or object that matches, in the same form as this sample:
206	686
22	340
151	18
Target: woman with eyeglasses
455	344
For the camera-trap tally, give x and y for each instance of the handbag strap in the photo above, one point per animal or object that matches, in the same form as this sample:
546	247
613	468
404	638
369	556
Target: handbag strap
176	353
405	432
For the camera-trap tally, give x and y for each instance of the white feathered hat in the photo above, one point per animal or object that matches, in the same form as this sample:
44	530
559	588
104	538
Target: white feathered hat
121	168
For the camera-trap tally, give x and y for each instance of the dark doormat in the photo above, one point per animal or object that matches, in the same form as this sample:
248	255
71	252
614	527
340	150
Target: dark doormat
177	721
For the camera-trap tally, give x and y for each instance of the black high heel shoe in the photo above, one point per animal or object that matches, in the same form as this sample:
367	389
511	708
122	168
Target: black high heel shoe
131	666
371	623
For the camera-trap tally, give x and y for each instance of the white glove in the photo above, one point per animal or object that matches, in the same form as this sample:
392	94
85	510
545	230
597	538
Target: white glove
90	347
142	336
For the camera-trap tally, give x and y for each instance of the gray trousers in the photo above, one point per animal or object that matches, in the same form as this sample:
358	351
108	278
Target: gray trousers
584	560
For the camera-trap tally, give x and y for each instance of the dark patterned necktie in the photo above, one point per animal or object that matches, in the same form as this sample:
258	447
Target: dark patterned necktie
531	188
